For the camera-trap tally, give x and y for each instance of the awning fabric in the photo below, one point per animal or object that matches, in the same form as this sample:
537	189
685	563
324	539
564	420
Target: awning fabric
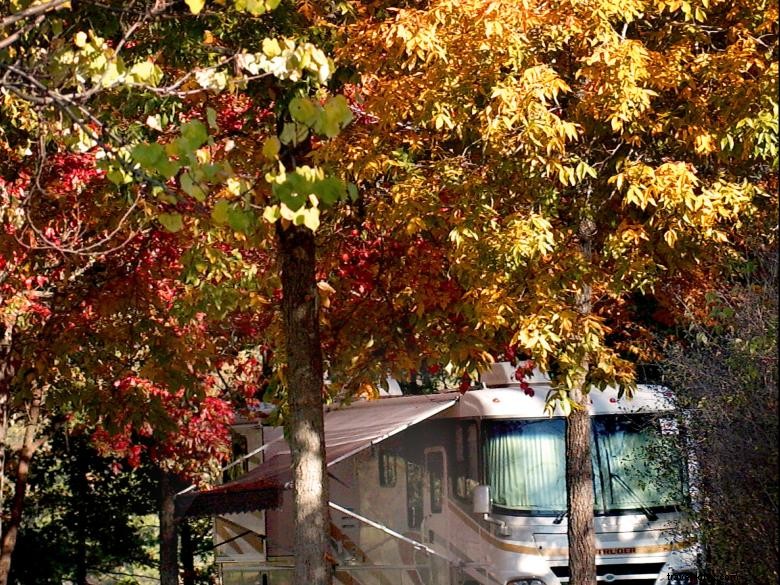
348	430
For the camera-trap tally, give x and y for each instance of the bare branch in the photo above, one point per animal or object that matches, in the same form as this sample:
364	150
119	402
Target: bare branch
10	40
32	11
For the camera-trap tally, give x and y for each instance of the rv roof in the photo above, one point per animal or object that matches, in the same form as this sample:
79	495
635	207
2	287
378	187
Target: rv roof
513	402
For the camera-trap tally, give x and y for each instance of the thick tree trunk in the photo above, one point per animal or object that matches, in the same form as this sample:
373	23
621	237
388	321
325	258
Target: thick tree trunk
304	386
169	566
579	471
29	446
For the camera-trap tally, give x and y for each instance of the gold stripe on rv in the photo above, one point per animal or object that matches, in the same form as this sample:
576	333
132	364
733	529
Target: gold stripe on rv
557	552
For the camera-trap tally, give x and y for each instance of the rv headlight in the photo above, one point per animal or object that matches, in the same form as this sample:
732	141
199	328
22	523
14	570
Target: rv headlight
525	581
676	578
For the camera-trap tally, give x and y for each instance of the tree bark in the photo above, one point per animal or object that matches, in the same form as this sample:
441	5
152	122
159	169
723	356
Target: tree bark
169	566
7	374
304	386
579	470
80	489
580	498
187	554
29	446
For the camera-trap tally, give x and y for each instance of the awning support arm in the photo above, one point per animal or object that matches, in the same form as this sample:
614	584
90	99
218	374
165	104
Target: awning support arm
231	465
394	534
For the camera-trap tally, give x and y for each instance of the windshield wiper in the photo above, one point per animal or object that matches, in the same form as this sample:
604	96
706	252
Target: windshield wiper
559	518
649	513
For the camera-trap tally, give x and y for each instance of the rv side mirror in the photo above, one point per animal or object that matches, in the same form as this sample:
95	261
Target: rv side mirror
481	499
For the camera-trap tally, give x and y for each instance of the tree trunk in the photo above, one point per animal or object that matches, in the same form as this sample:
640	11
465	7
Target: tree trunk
29	446
80	489
304	386
579	471
169	566
187	554
7	373
580	498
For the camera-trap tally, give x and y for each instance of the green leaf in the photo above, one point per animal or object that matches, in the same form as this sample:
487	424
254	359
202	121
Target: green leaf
118	176
152	157
219	213
271	147
335	116
287	194
148	155
192	188
330	190
239	219
113	73
210	171
304	110
211	117
168	168
253	7
193	136
293	133
352	191
146	72
164	195
171	221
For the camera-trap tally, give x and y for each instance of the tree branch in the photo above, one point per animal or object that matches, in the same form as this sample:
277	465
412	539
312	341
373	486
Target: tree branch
32	11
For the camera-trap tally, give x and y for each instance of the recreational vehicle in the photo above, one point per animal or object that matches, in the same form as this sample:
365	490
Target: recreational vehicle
464	489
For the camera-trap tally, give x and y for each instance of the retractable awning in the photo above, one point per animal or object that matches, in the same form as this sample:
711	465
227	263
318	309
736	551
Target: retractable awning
348	430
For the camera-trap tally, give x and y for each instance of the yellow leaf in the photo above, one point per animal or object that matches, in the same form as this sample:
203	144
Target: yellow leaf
195	5
311	218
272	213
271	147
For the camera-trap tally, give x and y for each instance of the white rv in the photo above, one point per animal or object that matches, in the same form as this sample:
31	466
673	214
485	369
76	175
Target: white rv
464	489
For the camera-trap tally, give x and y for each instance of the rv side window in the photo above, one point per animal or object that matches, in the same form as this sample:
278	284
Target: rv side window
414	494
435	464
466	466
387	469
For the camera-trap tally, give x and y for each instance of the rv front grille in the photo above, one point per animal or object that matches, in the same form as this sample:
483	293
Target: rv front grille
620	574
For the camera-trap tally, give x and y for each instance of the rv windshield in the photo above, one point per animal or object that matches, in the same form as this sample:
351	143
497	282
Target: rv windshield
526	469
